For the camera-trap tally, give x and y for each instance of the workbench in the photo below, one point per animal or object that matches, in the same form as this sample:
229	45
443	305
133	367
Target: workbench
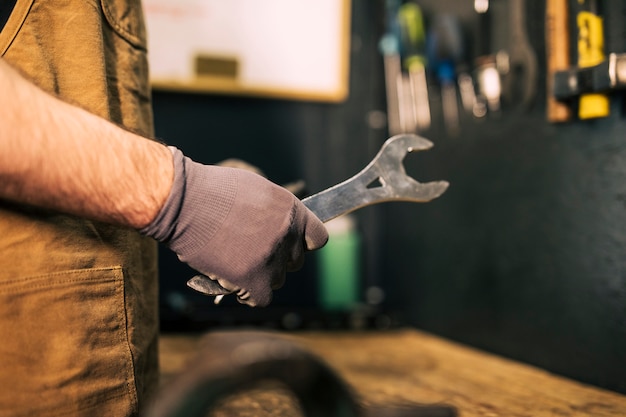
406	366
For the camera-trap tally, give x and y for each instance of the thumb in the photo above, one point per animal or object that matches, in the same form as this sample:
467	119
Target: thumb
315	233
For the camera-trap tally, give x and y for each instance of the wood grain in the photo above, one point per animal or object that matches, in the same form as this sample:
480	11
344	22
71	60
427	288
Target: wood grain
405	367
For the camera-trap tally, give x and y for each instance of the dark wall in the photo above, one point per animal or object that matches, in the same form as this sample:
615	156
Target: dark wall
523	256
525	253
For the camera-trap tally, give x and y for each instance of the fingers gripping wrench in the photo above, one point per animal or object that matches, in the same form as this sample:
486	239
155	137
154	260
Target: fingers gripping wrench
383	179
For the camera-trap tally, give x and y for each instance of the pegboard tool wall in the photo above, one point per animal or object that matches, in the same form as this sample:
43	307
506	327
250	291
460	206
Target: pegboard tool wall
525	254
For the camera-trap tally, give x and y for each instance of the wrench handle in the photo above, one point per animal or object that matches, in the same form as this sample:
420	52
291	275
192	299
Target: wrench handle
340	199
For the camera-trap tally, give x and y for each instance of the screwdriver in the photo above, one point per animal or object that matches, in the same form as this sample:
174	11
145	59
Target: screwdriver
444	51
413	51
590	53
389	46
487	63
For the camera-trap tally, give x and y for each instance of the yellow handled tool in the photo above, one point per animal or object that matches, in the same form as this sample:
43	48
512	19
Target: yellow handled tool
590	53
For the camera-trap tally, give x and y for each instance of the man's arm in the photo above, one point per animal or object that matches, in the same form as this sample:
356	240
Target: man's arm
58	156
230	224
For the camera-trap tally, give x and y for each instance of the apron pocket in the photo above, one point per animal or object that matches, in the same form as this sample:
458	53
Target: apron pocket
64	348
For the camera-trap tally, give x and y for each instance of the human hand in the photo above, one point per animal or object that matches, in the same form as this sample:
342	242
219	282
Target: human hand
235	227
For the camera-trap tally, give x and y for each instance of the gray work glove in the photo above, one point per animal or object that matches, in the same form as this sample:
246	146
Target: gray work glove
236	227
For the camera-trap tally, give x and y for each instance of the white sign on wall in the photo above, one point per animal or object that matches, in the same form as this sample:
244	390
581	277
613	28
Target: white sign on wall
282	48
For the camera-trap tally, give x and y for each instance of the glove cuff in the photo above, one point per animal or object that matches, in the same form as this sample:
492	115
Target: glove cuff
162	227
196	188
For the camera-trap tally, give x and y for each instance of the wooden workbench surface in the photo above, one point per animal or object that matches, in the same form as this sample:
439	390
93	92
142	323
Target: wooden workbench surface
402	367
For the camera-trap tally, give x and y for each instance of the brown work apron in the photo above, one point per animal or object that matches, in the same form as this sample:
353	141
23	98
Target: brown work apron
78	299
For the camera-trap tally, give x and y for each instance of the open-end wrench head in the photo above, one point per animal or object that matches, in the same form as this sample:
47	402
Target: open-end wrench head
392	174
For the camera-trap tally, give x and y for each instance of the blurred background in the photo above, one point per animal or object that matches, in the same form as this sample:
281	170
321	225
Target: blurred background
523	256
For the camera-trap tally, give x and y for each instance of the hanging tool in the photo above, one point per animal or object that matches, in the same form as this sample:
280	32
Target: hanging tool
383	179
557	57
606	76
613	15
444	52
408	122
590	53
389	46
467	90
413	51
489	84
520	82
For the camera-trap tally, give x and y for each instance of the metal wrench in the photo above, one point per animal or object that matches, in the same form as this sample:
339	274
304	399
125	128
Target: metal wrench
520	83
383	179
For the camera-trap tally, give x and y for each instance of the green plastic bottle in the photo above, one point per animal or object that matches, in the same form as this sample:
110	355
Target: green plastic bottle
339	264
